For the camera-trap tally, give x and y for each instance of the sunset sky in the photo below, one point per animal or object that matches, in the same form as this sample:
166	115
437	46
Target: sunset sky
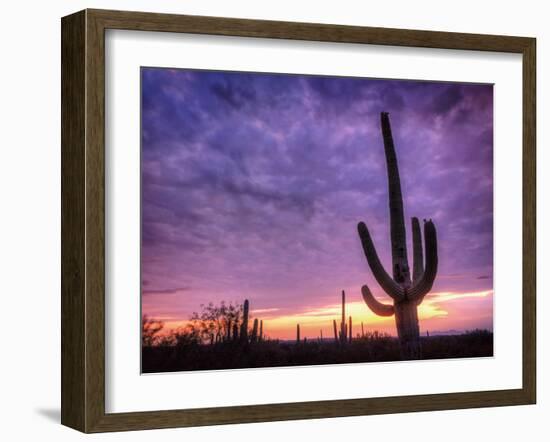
253	185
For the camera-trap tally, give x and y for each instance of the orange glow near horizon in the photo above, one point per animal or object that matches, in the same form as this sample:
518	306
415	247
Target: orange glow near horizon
440	312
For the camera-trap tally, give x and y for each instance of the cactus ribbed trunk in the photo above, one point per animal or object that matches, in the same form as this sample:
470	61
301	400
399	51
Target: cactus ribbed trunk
406	316
400	263
297	333
406	320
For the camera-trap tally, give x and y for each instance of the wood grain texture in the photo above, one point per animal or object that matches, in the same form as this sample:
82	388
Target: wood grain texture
83	220
73	128
529	221
95	221
145	21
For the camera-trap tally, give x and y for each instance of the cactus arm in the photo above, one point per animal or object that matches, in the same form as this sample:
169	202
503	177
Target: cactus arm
424	285
400	265
382	277
418	262
376	306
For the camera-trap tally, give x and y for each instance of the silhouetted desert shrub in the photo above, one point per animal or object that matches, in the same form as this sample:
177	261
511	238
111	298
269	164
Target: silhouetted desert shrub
150	330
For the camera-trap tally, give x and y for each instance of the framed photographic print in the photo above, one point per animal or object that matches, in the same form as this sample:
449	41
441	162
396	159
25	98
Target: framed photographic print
269	220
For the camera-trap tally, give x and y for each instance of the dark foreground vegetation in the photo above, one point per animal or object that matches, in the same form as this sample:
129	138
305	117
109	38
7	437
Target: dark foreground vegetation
188	354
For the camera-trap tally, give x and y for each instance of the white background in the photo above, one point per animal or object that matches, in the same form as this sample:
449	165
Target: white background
128	391
30	233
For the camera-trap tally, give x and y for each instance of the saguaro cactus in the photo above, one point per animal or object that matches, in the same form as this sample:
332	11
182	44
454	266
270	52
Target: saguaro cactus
405	292
254	336
297	333
350	334
244	325
261	336
335	330
343	325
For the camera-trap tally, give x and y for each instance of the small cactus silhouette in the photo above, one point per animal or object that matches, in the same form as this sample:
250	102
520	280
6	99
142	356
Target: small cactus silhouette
261	336
343	325
335	330
406	293
244	325
254	336
297	333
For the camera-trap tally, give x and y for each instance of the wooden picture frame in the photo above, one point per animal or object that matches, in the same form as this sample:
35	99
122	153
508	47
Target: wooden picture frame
83	220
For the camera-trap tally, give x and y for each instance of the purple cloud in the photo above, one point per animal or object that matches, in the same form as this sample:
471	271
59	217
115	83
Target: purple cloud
253	184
